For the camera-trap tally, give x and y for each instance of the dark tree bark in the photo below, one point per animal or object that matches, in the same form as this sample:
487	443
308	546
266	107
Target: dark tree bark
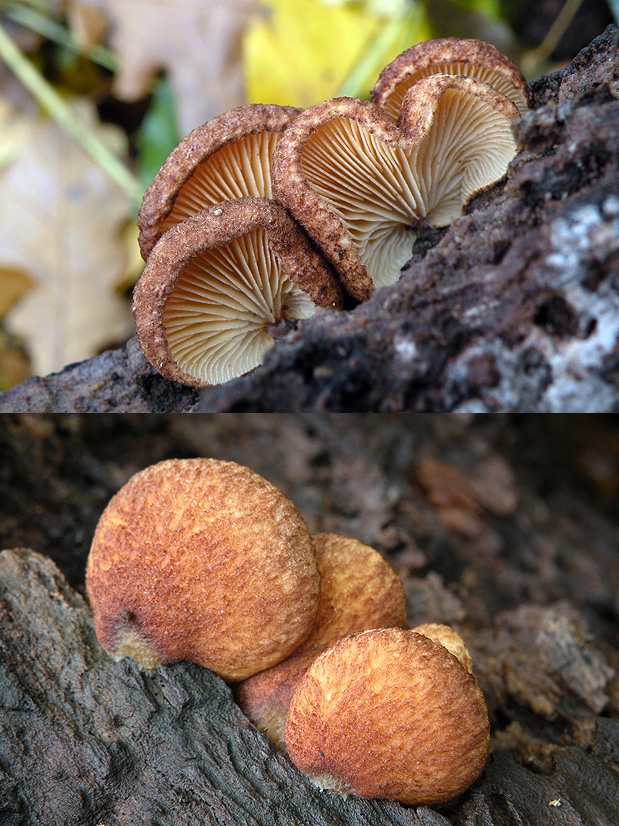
513	307
505	527
86	740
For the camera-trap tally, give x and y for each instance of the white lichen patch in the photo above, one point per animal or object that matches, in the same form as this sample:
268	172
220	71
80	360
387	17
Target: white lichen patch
560	372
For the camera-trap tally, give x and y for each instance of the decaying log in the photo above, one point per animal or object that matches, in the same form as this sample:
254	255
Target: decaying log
502	526
513	307
86	740
89	741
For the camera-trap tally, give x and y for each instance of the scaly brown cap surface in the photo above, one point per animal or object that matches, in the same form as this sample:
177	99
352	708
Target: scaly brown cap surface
450	56
360	184
217	286
228	157
202	560
359	590
389	714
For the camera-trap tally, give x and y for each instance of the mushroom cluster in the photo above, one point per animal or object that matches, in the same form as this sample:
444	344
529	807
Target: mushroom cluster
204	560
267	214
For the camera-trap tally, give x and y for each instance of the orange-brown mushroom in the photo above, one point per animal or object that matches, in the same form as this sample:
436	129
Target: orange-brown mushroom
219	287
389	714
359	590
449	638
450	56
228	157
361	185
202	560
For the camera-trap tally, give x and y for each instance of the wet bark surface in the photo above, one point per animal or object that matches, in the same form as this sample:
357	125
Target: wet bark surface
505	527
513	307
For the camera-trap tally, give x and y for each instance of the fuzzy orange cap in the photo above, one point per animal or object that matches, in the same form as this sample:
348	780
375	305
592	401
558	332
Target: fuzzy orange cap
359	590
202	560
389	714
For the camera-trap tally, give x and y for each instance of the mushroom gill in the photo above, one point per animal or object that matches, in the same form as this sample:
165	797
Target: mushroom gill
228	157
220	286
450	56
361	185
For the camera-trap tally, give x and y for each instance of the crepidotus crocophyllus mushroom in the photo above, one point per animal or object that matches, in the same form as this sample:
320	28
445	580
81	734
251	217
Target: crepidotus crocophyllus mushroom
202	560
359	590
390	714
228	157
449	56
361	185
359	178
219	287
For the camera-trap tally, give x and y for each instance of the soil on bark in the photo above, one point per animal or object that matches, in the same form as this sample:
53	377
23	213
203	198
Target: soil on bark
504	527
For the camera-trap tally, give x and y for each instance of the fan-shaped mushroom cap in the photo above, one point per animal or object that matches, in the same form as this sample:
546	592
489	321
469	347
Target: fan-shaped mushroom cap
361	184
450	56
228	157
202	560
217	287
389	714
359	590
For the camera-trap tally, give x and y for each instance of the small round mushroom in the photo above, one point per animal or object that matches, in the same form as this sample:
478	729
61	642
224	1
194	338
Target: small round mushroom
359	590
390	714
361	185
228	157
221	286
450	56
202	560
449	639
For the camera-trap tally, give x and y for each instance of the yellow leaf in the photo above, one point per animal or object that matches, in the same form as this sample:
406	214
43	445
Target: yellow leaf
61	221
301	53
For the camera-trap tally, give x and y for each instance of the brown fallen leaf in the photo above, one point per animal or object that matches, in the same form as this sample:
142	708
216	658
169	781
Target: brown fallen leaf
197	43
14	284
445	486
14	366
61	221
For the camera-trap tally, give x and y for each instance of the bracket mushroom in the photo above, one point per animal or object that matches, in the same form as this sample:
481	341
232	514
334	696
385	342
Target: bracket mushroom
219	287
449	56
228	157
202	560
359	590
361	185
391	714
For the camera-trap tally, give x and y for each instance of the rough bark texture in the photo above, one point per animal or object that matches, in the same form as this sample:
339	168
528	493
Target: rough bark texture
505	527
514	307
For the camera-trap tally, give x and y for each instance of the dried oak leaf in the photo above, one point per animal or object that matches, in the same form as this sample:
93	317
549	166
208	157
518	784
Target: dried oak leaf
61	221
197	44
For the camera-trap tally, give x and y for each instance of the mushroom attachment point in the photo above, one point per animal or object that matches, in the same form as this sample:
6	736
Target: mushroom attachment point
202	560
359	590
361	185
449	56
220	286
228	157
389	714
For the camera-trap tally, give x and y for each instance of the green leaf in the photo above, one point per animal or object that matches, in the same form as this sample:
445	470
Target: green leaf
158	134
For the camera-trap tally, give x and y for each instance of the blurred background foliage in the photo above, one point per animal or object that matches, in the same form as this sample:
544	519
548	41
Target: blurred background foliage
94	94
